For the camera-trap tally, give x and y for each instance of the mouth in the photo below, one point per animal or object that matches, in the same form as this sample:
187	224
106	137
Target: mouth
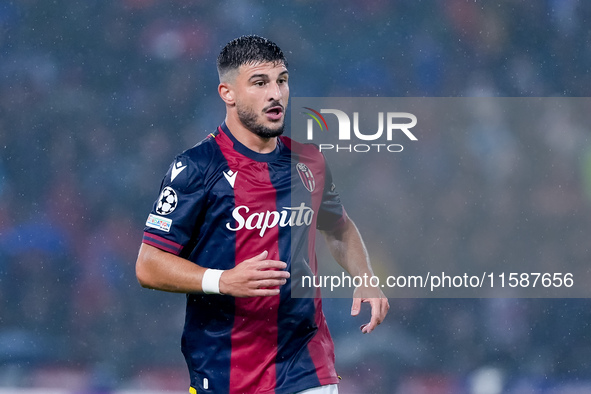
274	113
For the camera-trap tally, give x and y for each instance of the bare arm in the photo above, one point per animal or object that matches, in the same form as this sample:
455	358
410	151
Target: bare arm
254	277
347	247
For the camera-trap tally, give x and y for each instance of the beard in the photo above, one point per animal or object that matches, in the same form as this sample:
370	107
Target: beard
249	119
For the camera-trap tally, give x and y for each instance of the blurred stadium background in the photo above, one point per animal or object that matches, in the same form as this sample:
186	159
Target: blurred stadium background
96	98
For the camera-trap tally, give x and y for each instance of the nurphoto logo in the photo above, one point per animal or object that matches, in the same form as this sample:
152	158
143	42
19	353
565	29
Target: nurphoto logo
396	124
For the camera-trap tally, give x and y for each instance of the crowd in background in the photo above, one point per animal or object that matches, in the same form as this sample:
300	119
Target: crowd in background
96	98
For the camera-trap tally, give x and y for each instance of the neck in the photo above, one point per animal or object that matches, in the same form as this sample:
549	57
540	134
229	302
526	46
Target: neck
248	138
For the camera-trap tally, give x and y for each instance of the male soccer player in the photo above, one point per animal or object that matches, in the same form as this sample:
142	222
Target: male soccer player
238	212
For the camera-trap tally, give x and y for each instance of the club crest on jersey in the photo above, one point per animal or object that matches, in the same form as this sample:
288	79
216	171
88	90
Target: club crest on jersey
306	176
167	201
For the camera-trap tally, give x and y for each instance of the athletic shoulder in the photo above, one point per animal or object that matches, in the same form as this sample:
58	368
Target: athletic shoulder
189	167
203	152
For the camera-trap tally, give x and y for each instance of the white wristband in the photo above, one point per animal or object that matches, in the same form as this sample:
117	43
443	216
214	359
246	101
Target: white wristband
210	284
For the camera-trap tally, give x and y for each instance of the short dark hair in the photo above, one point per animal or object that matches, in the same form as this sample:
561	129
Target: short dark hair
248	50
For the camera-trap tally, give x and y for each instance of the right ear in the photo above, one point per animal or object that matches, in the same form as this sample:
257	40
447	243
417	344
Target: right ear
226	93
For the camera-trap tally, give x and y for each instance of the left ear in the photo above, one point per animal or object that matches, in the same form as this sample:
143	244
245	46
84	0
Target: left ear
226	93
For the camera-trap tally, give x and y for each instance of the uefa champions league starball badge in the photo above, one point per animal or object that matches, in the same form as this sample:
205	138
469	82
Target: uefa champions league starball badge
167	201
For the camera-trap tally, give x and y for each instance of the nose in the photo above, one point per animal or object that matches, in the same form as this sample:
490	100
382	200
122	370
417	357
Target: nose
274	92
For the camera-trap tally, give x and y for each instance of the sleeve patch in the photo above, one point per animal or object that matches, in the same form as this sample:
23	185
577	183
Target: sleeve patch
159	223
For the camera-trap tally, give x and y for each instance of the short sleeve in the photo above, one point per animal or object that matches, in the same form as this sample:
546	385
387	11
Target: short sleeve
174	214
332	213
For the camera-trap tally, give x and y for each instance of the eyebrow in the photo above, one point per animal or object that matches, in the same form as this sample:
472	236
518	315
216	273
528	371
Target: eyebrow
266	76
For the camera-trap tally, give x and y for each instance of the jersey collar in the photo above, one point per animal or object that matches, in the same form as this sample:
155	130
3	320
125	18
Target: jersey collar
242	149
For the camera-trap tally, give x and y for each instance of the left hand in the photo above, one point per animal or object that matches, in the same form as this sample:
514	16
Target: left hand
379	306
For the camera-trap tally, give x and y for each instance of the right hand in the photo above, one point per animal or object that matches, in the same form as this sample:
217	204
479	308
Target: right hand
254	277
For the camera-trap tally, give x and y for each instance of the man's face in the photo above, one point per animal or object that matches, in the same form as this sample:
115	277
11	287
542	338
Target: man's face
262	93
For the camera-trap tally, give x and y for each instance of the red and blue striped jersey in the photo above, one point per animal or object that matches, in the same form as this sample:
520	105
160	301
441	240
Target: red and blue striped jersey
221	203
